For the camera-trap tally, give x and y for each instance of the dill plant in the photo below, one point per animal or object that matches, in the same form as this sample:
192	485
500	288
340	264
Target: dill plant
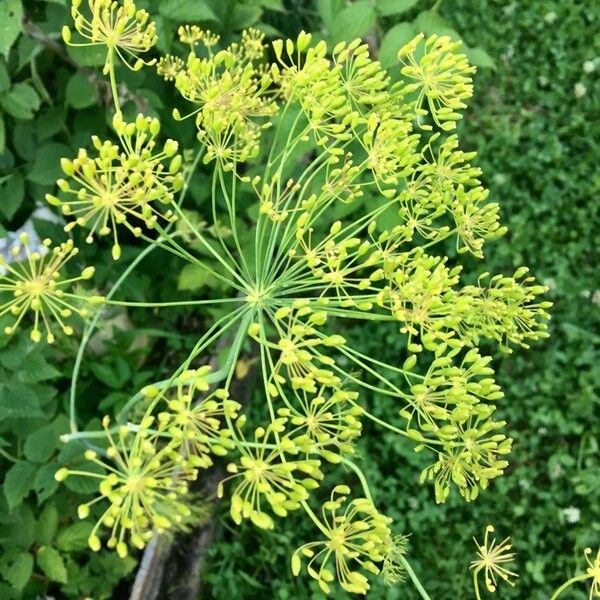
342	133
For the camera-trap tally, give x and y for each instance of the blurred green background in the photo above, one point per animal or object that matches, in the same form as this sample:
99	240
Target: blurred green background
535	122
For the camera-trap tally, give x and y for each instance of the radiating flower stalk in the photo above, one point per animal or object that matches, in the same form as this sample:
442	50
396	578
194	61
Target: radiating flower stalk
591	575
353	192
492	559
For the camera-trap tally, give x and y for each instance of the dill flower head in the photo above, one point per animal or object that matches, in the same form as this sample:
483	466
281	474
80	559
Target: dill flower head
492	558
123	184
340	217
119	26
357	537
196	418
35	284
143	484
265	480
441	76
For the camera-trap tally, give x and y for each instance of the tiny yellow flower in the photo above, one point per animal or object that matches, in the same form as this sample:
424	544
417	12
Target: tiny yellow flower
492	558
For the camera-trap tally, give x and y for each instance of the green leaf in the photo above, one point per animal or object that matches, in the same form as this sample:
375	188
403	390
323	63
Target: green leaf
52	564
2	134
44	484
193	277
40	445
18	482
11	15
393	40
74	537
394	7
16	568
353	21
18	400
12	192
276	5
184	10
480	58
21	101
47	524
430	22
46	166
245	16
4	77
80	93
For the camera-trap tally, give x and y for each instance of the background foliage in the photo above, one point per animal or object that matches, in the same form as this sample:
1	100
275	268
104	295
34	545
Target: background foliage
537	98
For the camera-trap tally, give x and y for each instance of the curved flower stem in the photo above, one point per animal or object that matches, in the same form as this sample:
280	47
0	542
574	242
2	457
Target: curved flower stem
87	334
476	584
92	324
567	584
361	477
414	578
113	79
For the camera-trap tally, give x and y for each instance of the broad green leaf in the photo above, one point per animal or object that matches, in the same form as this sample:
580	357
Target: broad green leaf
46	166
276	5
44	484
353	21
21	101
328	10
52	564
184	10
430	22
18	482
12	192
11	14
16	568
393	40
4	77
47	524
245	16
480	58
80	93
394	7
18	400
193	277
74	537
2	134
40	445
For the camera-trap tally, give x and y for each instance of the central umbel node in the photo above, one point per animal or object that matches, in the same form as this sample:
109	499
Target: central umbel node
256	296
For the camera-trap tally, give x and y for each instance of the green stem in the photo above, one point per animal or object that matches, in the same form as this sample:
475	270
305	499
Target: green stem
568	583
166	304
8	456
414	578
113	79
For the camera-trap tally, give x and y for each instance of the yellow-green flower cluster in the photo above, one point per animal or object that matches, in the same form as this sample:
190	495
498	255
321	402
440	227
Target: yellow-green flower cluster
352	194
123	184
34	283
120	27
357	538
270	476
230	91
145	470
442	77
